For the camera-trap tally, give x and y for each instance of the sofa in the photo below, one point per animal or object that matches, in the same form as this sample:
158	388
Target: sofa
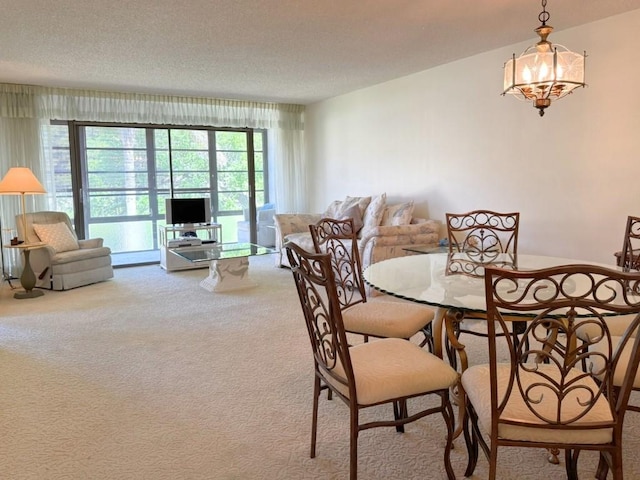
384	231
64	262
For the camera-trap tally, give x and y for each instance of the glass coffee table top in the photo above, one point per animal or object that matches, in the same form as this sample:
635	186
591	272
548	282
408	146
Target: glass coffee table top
221	251
228	263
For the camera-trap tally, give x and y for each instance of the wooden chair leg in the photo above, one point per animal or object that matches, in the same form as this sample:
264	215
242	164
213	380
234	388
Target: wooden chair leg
571	463
314	422
493	463
616	464
353	444
471	441
447	414
603	467
400	412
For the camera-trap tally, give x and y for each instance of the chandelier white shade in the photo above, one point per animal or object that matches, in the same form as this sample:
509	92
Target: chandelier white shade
544	72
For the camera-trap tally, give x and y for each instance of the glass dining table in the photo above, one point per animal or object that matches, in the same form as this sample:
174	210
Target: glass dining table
451	282
454	284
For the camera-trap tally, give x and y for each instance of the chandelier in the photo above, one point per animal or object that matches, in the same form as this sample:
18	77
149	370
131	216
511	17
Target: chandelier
544	71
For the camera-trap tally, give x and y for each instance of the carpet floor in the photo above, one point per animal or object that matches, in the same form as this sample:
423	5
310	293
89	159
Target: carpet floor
149	376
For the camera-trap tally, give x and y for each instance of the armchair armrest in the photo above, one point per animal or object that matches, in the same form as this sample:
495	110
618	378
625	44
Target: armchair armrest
266	216
287	223
91	243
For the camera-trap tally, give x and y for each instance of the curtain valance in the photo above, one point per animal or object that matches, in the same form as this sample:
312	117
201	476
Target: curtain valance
26	101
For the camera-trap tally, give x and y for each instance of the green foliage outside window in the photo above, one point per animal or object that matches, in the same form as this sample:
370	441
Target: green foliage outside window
127	167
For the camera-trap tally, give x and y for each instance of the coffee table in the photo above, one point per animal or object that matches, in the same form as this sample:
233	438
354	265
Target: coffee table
228	264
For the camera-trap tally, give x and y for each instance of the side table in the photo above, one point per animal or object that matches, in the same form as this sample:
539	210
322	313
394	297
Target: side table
28	278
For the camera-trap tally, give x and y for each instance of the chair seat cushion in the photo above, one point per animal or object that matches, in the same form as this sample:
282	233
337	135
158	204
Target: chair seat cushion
623	360
392	368
80	254
590	329
476	384
381	318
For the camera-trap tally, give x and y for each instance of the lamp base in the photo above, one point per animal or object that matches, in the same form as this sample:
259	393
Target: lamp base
28	279
31	294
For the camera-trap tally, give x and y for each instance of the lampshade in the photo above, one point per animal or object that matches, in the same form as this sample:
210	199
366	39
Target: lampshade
544	71
20	180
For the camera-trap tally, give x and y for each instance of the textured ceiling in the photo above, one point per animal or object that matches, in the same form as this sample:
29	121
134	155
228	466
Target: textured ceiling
292	51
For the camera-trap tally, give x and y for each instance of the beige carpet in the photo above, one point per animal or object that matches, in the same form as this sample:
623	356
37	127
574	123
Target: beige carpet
148	376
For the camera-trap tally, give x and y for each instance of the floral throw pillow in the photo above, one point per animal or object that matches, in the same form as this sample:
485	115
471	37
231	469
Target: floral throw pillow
373	214
400	214
361	202
353	213
333	209
57	235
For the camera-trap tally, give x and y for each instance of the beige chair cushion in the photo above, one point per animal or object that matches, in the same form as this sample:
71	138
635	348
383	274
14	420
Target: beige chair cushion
617	325
623	360
386	319
475	382
392	368
57	235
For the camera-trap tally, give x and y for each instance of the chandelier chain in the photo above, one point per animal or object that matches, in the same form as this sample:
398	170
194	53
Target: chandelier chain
544	16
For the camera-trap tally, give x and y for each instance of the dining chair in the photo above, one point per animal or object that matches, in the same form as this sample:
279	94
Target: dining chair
367	317
483	235
387	371
629	257
588	331
552	402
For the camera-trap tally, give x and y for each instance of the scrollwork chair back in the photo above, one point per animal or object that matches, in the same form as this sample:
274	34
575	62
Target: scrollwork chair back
483	232
318	297
338	238
543	396
629	257
390	371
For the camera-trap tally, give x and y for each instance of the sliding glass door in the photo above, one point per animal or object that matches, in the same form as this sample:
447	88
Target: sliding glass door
117	177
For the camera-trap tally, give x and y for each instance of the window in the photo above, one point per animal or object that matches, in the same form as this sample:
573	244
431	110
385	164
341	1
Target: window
114	179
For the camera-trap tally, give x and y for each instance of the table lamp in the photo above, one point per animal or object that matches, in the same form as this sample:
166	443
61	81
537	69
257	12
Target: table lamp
21	181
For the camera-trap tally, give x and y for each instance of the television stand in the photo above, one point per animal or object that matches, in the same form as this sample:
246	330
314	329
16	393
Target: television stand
209	233
188	231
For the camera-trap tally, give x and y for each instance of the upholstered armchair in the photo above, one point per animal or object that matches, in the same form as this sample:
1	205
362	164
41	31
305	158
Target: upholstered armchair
65	262
265	224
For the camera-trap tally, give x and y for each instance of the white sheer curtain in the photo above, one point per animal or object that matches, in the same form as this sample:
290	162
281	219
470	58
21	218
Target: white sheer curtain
19	146
289	170
24	107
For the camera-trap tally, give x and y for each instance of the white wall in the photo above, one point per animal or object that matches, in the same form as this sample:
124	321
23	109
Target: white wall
447	138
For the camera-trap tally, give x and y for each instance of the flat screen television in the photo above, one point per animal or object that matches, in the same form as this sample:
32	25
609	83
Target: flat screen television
187	211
